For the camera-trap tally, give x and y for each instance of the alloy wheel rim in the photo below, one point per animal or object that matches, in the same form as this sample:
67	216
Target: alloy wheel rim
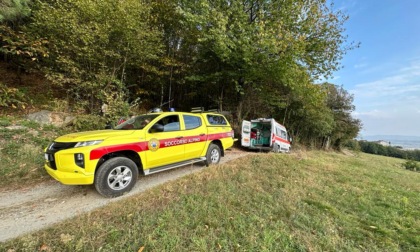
119	178
214	156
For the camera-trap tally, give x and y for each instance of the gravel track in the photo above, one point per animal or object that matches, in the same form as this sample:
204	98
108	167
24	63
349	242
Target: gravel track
26	210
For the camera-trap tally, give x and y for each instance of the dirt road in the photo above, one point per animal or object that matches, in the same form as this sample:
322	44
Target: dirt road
29	209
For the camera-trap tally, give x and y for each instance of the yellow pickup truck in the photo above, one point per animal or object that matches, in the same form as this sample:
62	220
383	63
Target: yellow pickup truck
112	159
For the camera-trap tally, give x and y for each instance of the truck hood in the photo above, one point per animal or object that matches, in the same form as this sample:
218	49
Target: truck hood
94	135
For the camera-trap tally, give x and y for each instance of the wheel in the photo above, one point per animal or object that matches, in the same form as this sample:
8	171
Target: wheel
213	154
116	176
276	148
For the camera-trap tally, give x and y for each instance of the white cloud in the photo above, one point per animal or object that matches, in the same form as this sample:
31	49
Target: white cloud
391	103
372	114
405	82
392	123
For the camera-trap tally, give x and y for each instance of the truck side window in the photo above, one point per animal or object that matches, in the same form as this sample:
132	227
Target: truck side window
192	122
170	123
216	120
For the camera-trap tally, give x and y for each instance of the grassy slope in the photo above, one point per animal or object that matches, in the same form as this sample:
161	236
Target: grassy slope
308	201
21	151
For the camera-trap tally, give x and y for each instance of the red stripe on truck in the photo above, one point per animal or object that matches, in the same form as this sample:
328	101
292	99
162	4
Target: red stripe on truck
99	152
164	143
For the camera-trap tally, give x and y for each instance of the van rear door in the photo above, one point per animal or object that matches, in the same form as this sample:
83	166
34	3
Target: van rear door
246	133
273	133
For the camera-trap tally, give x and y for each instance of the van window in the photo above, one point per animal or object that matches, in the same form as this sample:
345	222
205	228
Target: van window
283	134
192	122
216	120
278	131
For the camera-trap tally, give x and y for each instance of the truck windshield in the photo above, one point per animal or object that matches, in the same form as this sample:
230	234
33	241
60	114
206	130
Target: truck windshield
136	123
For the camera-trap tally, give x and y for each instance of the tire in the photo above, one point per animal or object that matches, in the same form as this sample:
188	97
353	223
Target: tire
116	176
276	148
213	154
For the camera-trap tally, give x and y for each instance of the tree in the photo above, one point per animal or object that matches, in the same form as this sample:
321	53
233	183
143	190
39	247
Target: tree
17	47
14	11
340	102
96	45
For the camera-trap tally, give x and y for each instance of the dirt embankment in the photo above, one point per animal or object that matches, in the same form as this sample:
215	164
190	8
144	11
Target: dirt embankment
29	209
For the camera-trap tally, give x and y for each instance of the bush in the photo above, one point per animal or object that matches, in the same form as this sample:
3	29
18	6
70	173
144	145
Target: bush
89	122
117	106
412	165
11	97
352	145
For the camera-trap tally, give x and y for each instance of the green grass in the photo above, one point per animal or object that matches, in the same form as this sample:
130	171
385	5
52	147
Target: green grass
306	201
21	151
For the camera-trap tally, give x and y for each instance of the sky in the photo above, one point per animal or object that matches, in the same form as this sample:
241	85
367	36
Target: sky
383	74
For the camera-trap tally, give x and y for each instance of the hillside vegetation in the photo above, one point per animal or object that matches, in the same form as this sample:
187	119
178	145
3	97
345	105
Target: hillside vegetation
305	201
250	58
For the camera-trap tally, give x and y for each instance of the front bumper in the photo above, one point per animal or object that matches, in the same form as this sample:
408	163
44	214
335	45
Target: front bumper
61	166
70	178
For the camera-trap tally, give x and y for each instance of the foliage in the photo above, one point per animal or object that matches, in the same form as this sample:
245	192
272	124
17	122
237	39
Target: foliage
411	165
14	10
340	102
20	45
252	58
16	44
12	97
352	144
95	44
117	106
390	151
88	122
58	105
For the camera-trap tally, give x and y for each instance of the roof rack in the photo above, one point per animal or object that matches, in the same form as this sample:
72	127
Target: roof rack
201	110
197	109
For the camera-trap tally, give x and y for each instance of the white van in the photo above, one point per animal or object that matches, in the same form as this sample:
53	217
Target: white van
265	134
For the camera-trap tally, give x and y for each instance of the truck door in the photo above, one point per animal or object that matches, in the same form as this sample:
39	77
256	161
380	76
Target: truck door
246	133
166	146
195	134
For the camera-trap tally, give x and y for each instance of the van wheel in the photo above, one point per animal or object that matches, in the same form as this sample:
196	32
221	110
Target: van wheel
213	154
116	176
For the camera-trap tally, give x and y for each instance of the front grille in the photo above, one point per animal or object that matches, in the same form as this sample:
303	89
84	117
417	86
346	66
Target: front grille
57	146
53	148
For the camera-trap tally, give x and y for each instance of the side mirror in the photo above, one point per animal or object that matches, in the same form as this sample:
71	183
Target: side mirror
290	139
156	128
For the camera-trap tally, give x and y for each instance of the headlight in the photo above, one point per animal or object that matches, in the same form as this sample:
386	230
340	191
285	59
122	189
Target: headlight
88	143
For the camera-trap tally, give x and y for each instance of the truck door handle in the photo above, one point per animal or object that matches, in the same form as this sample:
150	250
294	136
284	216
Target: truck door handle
179	137
202	134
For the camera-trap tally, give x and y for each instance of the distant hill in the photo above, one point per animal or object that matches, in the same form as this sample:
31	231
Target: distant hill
407	142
